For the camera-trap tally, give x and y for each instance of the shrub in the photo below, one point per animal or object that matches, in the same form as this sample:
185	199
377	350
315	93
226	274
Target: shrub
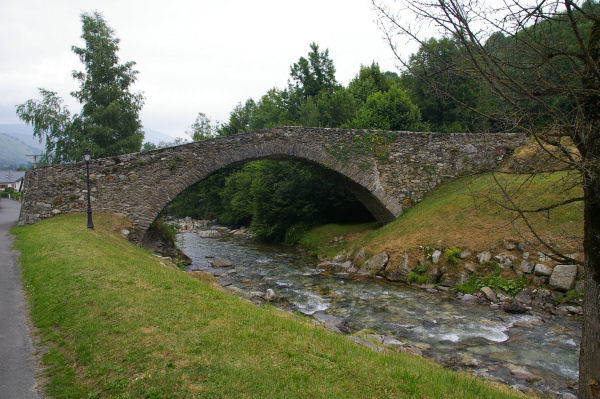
452	255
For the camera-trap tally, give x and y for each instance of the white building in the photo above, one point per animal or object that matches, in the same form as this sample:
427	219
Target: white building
11	179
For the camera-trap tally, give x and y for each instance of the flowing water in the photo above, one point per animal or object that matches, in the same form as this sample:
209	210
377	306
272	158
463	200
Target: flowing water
463	336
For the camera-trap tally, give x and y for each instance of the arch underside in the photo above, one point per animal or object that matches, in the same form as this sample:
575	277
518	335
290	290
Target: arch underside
377	209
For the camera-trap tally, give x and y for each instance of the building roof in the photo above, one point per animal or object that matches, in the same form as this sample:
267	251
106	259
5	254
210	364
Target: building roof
10	176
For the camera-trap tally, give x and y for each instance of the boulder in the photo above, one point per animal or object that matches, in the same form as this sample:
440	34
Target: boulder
465	253
523	373
489	294
483	257
525	297
542	270
333	323
435	256
340	258
209	233
360	256
269	295
514	307
374	264
468	298
399	273
505	261
509	245
219	262
563	277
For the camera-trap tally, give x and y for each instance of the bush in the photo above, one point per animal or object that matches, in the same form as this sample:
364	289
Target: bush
417	278
495	282
452	255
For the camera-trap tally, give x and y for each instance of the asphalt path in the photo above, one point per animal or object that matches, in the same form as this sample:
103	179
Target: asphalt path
17	361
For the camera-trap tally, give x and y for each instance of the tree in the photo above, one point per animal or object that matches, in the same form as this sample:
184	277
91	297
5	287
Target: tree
390	110
53	123
541	59
369	80
203	128
239	119
445	95
315	73
108	123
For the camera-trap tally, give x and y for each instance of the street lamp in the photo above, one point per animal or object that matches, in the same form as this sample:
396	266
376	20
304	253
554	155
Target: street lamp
86	157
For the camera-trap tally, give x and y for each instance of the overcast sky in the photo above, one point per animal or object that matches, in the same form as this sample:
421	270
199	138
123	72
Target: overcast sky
192	56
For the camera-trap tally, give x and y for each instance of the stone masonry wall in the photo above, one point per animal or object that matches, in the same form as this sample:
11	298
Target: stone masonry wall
385	170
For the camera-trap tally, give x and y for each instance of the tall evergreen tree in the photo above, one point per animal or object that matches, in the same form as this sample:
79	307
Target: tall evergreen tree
109	118
108	123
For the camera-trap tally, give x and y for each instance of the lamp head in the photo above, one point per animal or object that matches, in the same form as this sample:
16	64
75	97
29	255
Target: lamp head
86	155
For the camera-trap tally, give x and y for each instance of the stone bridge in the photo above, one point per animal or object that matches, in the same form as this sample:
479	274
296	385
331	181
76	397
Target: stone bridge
386	171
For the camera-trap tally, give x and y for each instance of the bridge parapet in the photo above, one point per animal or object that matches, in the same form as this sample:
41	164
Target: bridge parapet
385	170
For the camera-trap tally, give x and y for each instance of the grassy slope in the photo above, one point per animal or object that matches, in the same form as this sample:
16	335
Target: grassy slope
120	325
458	214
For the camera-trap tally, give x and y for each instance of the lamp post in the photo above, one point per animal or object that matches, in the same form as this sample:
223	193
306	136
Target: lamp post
86	157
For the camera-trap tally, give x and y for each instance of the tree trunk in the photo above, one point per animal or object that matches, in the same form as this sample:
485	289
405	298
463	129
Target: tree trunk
589	147
589	356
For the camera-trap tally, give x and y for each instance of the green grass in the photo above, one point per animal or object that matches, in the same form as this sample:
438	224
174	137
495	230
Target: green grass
120	325
321	239
463	214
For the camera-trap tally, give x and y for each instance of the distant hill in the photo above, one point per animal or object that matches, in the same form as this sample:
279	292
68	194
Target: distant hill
17	141
22	132
13	152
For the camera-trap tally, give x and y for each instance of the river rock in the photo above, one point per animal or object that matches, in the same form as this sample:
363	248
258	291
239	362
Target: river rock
360	256
509	245
434	274
465	253
505	261
374	264
525	297
483	257
468	298
563	277
572	309
219	262
435	256
340	258
209	233
542	257
366	342
400	272
333	323
521	372
270	295
514	307
489	294
525	266
542	270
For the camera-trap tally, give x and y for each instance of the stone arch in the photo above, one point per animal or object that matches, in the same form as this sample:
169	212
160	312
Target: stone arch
361	183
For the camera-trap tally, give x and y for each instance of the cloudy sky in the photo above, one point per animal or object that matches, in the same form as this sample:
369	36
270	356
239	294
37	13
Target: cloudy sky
192	56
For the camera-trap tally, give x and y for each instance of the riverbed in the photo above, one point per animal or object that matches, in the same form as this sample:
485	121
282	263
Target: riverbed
528	351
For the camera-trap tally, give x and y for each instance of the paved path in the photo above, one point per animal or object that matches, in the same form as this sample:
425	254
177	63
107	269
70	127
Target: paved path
16	350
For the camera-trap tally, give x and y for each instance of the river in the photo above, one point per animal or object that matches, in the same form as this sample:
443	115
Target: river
465	336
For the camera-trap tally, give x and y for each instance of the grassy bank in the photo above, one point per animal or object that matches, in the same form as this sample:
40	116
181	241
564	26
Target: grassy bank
464	213
121	325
